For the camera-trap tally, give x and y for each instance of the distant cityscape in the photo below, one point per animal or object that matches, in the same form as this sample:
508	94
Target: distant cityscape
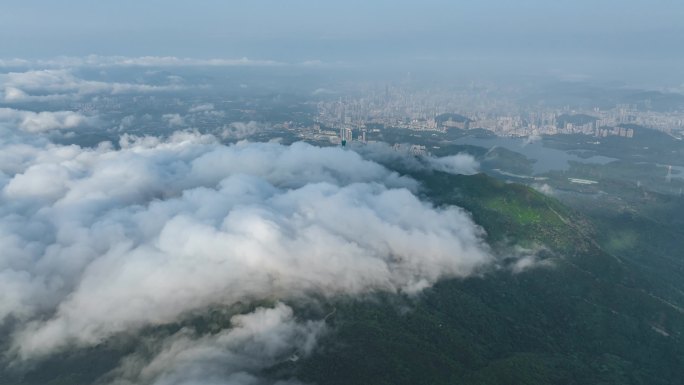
396	108
362	112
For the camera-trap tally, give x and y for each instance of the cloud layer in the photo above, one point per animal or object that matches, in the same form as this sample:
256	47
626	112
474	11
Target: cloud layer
60	84
99	241
140	61
257	340
35	122
401	156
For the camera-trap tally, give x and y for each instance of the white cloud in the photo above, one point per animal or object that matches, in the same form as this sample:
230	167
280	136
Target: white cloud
58	84
402	156
312	63
323	91
157	61
142	61
126	122
100	241
532	139
44	121
13	94
456	164
141	235
202	108
524	259
14	62
174	120
544	188
257	340
241	130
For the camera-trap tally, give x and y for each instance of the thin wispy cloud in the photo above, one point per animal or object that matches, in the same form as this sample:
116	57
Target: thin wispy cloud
61	84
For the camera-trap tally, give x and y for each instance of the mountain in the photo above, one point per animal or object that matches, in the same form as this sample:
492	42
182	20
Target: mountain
581	316
557	309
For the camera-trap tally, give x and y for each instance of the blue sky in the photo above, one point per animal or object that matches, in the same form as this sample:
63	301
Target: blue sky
642	33
306	29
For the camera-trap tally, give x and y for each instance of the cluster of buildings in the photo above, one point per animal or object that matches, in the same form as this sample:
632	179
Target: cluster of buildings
397	108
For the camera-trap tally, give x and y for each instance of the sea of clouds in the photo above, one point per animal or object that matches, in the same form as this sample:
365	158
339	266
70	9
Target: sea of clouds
114	239
100	241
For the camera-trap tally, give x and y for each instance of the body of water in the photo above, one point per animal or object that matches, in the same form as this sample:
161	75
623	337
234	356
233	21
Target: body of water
547	159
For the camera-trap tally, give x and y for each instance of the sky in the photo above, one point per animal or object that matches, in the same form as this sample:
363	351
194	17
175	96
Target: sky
351	31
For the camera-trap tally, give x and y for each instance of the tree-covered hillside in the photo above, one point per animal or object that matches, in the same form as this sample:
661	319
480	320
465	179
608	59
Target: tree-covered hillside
581	316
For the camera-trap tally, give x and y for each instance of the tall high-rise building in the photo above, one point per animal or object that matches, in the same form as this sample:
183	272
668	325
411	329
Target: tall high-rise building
345	135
